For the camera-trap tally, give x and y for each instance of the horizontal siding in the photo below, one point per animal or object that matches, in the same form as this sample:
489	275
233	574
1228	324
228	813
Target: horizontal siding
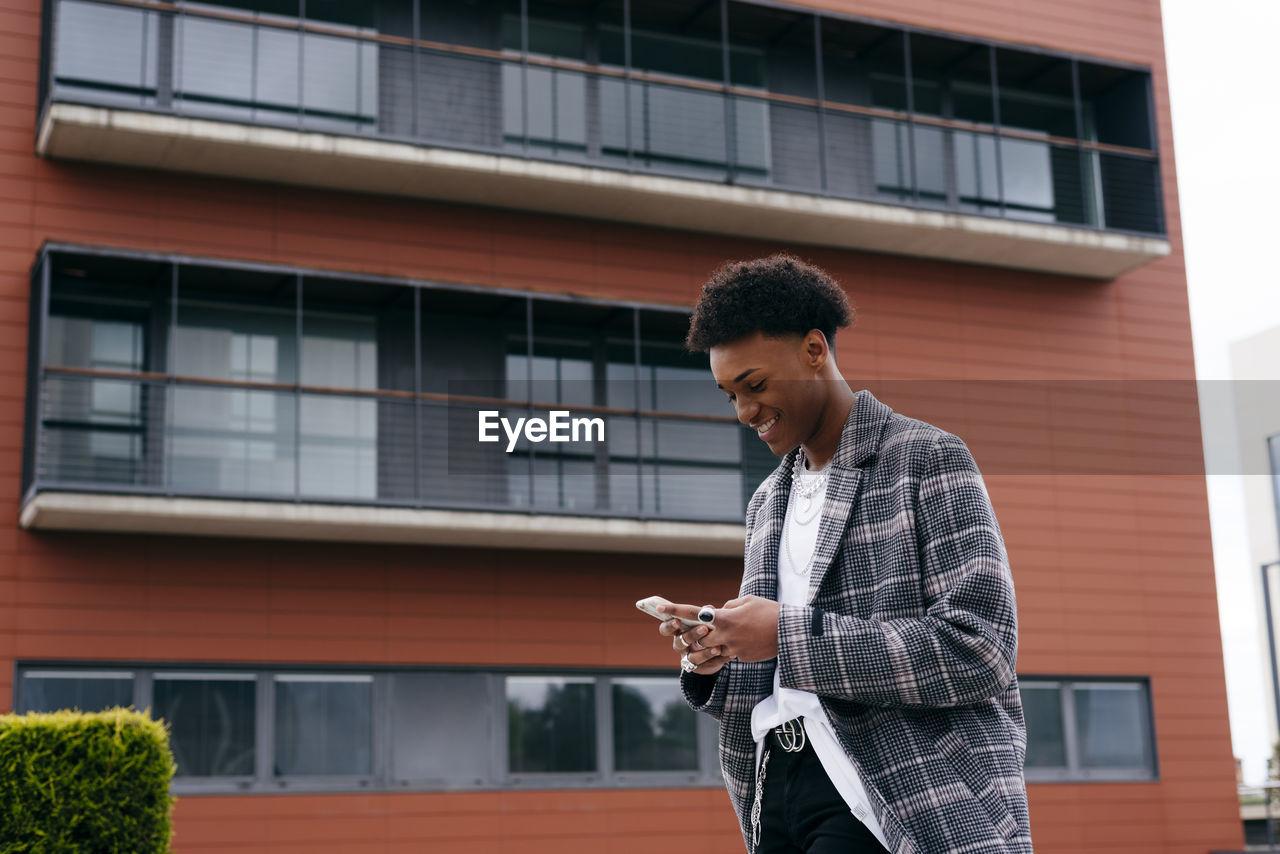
541	821
1128	31
1114	573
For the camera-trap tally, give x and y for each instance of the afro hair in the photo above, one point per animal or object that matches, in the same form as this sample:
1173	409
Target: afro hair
777	295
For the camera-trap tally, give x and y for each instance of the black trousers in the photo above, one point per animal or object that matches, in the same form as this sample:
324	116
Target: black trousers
801	811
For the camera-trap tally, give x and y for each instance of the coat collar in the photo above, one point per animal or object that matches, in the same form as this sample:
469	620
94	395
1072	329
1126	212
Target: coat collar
859	443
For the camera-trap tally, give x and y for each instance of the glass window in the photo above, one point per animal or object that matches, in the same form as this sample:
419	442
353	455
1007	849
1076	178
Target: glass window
110	50
87	691
323	724
1044	180
456	361
444	729
863	65
243	69
440	723
551	724
211	720
1042	706
678	128
773	49
96	424
261	393
577	350
1112	725
1098	730
104	314
338	454
653	727
556	111
240	326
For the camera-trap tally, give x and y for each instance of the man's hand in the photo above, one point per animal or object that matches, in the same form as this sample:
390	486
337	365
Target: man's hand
745	628
709	659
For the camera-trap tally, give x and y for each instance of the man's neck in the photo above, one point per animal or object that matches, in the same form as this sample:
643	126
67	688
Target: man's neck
822	446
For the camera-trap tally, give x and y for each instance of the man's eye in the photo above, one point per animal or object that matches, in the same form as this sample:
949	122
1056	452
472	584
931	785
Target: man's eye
731	399
757	387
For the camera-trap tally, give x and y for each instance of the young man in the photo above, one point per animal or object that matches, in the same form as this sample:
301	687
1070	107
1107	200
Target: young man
864	677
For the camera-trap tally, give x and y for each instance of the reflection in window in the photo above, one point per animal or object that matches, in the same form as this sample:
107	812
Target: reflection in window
1042	706
976	181
243	70
233	440
557	98
86	691
1028	181
440	726
98	422
660	465
323	725
110	50
671	127
653	727
243	440
211	721
444	729
339	433
271	385
1111	722
265	69
551	724
1088	730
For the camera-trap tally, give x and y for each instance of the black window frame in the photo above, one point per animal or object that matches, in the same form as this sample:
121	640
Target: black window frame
497	774
647	325
1075	771
382	777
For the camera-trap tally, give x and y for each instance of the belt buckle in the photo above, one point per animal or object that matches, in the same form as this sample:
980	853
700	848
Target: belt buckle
790	736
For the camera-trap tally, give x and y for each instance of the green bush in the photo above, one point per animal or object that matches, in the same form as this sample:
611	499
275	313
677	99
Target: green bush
77	782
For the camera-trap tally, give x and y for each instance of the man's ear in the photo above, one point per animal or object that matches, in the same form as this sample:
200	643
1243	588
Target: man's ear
816	351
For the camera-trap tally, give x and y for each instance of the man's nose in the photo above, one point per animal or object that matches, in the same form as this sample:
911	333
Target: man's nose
748	410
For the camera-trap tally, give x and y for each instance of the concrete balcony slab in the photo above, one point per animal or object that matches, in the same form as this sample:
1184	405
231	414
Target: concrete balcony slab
146	514
312	159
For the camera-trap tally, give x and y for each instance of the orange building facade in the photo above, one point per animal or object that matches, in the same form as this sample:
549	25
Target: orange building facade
250	251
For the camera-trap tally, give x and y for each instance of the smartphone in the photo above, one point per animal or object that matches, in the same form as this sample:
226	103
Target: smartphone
650	607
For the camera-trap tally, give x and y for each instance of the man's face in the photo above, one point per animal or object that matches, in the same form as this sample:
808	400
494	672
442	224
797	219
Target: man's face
772	384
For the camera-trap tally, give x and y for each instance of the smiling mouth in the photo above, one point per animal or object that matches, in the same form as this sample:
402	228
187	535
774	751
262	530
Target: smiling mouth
764	428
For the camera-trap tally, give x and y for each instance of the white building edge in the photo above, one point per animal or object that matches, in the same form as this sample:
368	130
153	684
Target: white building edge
1255	369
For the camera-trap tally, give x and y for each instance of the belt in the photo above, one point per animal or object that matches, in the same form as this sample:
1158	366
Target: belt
789	737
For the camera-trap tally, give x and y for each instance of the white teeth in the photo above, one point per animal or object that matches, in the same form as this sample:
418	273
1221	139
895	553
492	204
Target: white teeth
764	428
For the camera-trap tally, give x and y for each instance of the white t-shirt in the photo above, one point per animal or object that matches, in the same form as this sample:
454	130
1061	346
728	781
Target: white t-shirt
799	539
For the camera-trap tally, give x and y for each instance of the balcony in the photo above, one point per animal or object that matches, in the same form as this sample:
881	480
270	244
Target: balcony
184	397
731	118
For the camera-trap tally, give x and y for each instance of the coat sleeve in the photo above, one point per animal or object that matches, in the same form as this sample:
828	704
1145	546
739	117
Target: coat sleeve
708	693
962	649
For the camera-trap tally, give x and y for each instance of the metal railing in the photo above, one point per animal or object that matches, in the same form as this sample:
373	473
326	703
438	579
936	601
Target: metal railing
139	433
305	75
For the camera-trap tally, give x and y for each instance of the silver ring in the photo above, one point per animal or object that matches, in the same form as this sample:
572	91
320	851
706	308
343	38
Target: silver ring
680	637
686	665
707	614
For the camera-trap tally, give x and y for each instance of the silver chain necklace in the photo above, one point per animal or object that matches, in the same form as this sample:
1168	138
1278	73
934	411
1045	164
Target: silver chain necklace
806	492
804	489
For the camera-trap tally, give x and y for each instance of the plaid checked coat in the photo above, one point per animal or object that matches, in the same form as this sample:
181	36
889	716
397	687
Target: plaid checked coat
909	639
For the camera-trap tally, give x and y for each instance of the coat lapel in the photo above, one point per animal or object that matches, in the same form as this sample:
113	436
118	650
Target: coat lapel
859	443
842	492
760	577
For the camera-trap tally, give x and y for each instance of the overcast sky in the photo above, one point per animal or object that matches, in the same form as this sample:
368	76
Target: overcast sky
1226	127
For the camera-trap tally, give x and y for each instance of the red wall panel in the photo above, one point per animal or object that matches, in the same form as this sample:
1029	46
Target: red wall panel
1114	573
